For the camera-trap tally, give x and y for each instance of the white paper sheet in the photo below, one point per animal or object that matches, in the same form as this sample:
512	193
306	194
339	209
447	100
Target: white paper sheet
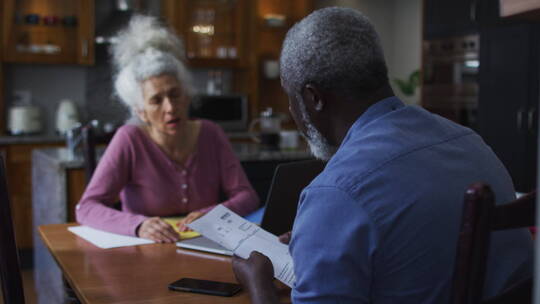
231	231
106	240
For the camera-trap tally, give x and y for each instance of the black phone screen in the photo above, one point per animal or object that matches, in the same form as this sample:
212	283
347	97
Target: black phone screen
206	287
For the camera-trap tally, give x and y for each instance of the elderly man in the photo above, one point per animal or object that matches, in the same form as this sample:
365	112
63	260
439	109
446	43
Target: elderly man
380	223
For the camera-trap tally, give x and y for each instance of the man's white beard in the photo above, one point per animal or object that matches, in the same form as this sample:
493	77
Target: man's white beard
318	144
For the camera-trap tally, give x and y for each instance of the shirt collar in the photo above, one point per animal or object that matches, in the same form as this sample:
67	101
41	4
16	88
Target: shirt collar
375	111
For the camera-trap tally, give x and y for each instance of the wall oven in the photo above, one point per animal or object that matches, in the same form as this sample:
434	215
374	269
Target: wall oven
450	78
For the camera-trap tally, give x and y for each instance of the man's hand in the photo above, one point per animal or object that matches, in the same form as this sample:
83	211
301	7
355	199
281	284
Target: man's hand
157	230
256	275
188	219
257	267
285	238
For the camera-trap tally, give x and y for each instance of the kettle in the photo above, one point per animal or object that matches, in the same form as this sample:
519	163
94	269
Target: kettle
270	126
24	119
67	116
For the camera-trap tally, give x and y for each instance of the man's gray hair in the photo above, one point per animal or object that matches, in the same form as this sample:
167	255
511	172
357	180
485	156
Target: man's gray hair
336	49
144	49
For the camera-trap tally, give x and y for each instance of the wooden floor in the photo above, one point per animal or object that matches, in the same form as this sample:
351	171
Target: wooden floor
29	289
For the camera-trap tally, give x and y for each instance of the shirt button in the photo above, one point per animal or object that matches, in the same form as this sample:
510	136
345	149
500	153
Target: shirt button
184	186
184	200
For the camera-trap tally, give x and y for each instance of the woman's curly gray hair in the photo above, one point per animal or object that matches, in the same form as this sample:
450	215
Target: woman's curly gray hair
146	48
335	48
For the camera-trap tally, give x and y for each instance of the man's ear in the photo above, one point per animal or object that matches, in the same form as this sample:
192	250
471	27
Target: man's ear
312	97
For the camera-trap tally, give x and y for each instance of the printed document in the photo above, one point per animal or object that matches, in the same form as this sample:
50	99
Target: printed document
231	231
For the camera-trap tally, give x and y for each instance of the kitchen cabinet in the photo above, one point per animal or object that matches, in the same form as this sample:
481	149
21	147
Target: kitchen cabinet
273	20
213	31
508	96
215	34
18	159
2	103
508	76
48	31
76	184
443	18
241	36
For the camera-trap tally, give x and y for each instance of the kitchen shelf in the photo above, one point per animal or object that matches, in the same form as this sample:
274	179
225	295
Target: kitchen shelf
73	42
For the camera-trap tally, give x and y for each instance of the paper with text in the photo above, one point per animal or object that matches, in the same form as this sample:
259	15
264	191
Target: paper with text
231	231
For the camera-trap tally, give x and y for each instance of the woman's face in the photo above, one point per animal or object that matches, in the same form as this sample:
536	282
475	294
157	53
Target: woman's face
165	107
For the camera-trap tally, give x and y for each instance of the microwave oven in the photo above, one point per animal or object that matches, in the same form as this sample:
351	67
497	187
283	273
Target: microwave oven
228	111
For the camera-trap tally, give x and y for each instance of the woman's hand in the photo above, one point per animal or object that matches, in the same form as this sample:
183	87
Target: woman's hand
188	219
157	230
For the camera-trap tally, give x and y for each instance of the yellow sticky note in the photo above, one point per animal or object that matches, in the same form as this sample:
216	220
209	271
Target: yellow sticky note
173	221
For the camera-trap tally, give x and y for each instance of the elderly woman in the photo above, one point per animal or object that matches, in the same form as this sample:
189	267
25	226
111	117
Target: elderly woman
161	163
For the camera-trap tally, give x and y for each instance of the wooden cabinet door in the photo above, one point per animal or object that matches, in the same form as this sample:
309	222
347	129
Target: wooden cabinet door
2	103
213	31
508	87
85	33
48	31
268	39
445	18
255	28
19	179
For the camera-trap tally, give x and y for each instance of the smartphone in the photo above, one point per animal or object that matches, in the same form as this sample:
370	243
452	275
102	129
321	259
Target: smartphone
206	287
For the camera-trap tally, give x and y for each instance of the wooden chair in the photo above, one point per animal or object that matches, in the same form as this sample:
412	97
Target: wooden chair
89	155
89	151
480	217
90	163
10	270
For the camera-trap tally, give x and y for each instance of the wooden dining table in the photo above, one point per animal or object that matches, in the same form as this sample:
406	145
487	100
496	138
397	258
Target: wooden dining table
136	274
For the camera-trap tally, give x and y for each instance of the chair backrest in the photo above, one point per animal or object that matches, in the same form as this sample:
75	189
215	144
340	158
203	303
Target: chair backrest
480	217
89	141
89	151
288	182
10	270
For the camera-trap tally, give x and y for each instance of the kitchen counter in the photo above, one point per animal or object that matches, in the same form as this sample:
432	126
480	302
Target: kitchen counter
30	139
53	139
246	152
45	139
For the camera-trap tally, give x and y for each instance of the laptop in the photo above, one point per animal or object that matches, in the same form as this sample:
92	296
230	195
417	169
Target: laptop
202	243
288	182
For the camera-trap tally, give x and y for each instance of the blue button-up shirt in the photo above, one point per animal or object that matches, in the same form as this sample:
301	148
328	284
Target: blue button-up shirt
380	223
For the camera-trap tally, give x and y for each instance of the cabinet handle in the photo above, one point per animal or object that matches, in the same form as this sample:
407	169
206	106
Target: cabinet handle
519	118
530	119
472	11
85	48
